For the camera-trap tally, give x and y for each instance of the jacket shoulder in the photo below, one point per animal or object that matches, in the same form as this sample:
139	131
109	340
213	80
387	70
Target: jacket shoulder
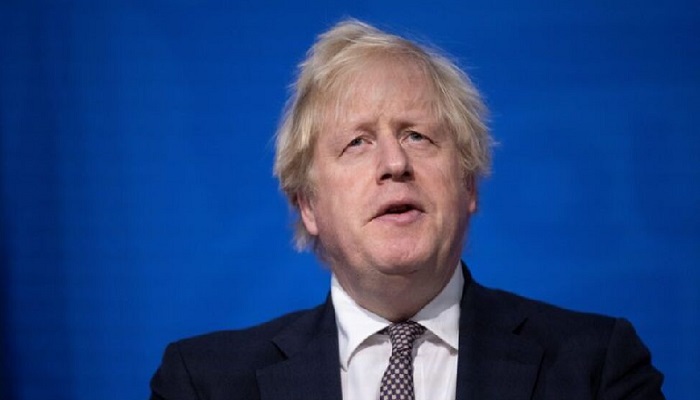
262	332
539	318
223	364
597	354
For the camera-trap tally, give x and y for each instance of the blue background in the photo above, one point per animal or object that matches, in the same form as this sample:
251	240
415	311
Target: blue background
138	204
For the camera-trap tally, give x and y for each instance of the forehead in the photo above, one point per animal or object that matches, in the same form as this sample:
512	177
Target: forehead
397	85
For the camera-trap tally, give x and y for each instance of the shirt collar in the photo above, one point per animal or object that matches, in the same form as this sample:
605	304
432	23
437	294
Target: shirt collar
356	324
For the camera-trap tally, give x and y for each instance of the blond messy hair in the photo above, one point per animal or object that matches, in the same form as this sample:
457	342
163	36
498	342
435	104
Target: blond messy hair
348	45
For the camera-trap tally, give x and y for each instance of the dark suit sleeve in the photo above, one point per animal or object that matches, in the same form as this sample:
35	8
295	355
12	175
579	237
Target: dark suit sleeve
628	373
172	380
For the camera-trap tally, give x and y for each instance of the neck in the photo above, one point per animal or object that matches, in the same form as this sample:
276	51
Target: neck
396	298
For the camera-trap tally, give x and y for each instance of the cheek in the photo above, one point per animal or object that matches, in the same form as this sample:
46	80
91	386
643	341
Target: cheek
449	188
335	199
345	184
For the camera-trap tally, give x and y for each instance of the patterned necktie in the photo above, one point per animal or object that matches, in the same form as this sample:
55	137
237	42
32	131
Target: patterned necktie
397	382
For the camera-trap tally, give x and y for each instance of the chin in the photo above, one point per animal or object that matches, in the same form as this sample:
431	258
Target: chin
403	261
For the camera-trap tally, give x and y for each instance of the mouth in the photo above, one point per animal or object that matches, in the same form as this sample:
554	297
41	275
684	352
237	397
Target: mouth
399	211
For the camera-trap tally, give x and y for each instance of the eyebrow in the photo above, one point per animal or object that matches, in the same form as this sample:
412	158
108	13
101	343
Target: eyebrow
410	118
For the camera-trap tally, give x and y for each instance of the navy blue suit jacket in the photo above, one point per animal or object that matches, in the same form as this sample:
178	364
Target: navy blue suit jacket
509	348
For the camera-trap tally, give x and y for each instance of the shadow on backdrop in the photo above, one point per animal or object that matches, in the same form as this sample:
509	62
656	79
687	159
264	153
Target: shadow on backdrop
37	359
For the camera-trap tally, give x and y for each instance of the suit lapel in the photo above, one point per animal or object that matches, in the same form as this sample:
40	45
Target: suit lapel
311	369
494	362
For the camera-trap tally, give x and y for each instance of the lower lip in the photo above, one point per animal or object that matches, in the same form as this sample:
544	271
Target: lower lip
400	219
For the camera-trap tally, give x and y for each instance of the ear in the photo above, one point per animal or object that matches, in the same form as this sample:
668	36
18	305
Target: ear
473	195
308	215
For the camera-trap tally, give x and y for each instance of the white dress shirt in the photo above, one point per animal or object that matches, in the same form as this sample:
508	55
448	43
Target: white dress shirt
364	354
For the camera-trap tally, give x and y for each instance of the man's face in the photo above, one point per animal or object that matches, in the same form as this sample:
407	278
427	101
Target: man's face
391	204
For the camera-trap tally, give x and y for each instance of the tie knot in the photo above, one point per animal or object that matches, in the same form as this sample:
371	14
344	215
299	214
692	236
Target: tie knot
403	334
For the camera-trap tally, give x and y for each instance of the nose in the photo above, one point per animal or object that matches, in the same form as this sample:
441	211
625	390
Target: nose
394	163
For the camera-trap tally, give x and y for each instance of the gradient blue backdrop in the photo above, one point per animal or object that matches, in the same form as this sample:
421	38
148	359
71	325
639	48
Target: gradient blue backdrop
138	204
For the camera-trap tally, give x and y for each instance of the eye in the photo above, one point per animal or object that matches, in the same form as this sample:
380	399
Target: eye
417	137
355	145
356	142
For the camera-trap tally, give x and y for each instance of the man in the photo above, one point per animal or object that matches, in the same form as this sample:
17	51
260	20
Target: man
380	151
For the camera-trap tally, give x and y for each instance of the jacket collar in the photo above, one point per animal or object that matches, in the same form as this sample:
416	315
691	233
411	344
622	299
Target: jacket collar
494	361
311	369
